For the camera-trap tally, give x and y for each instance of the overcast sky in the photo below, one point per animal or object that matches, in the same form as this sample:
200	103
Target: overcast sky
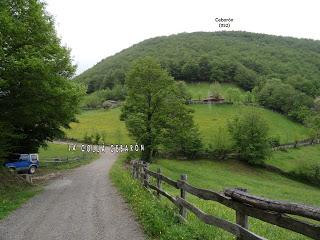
96	29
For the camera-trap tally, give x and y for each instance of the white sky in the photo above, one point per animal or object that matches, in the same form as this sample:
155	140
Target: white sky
96	29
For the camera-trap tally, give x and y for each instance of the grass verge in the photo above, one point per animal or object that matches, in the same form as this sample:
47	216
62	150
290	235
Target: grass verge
14	192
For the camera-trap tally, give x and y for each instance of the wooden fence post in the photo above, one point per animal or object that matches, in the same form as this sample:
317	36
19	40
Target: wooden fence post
145	175
29	178
132	168
159	182
242	219
136	170
183	211
141	175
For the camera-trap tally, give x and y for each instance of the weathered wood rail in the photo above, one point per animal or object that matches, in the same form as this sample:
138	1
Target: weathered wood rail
296	144
244	204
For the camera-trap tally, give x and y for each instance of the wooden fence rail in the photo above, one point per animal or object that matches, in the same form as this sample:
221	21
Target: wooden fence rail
245	205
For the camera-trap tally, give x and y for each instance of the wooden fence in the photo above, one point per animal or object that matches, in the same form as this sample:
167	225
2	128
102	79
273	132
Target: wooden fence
55	161
296	144
270	211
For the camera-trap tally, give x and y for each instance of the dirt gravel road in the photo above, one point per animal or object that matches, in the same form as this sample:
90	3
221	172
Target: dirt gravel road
80	205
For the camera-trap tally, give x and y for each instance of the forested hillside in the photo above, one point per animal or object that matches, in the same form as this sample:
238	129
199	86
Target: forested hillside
221	56
284	70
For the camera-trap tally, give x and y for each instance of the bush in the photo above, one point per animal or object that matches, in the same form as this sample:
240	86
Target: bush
274	141
308	172
96	99
94	138
220	145
250	136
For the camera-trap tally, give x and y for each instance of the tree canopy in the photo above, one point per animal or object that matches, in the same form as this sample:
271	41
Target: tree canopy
37	97
239	57
250	135
155	112
249	60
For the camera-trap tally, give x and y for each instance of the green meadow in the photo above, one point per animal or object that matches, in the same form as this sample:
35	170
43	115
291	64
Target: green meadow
203	90
293	159
104	122
211	119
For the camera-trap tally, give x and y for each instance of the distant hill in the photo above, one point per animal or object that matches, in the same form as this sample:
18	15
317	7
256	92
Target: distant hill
239	57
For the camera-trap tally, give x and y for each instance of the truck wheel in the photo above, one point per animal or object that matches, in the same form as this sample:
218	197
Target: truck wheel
32	170
12	169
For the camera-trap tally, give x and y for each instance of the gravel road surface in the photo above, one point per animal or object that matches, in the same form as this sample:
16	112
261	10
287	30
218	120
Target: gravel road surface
80	205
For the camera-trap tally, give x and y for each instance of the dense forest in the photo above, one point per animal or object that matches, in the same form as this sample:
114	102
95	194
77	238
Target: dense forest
283	72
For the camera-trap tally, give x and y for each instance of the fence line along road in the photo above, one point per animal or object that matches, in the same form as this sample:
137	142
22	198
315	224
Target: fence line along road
245	205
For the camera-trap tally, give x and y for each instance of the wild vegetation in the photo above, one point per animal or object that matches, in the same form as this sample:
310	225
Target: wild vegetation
302	163
37	97
211	119
13	192
155	112
249	133
252	61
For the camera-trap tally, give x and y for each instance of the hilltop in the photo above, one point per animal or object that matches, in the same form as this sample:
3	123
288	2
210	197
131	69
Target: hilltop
240	57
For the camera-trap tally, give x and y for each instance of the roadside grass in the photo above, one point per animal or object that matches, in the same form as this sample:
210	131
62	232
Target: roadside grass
14	192
214	175
104	122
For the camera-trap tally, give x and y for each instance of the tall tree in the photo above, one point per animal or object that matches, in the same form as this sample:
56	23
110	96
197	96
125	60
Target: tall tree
37	97
250	135
155	111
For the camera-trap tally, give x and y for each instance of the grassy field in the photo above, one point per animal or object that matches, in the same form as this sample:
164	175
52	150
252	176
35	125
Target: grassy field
14	192
293	159
203	90
105	122
302	163
160	222
211	119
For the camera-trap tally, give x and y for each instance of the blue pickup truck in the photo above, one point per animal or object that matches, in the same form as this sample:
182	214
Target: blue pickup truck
23	163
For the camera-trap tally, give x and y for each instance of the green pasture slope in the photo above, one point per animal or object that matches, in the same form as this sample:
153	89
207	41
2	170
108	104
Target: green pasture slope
204	89
100	121
211	119
297	160
159	221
